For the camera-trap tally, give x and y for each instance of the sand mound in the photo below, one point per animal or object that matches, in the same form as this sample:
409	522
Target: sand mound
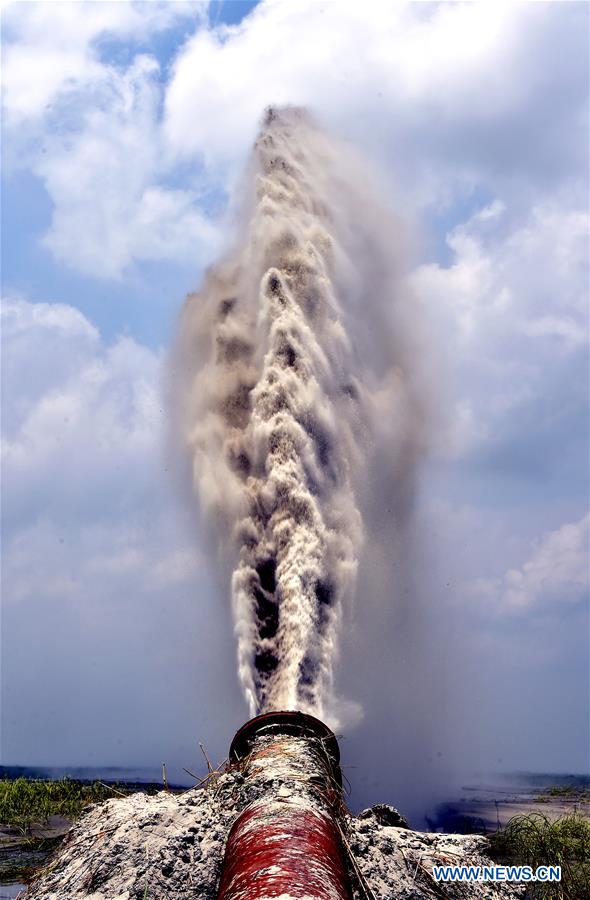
171	846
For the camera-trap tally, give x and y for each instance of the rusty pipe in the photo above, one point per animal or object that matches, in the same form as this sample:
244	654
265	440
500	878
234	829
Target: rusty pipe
286	841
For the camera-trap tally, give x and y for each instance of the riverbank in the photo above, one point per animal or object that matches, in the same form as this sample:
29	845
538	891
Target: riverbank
486	807
143	832
35	816
171	846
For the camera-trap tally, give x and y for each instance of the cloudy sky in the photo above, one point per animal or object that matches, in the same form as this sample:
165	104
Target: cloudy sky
125	130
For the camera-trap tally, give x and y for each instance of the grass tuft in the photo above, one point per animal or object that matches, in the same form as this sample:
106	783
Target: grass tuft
569	792
535	840
26	803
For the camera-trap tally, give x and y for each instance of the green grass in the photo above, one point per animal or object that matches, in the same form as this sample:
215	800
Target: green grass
569	792
26	806
26	803
536	840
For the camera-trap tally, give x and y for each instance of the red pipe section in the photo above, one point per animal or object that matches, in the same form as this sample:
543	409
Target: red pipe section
286	841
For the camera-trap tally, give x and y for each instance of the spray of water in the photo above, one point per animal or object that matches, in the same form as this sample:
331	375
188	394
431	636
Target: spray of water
295	359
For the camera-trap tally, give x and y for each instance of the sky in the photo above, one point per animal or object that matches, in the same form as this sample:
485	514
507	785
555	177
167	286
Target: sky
126	127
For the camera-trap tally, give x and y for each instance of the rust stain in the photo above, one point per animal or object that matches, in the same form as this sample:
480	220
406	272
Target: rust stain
297	853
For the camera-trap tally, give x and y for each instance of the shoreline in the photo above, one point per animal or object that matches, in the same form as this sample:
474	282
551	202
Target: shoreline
482	810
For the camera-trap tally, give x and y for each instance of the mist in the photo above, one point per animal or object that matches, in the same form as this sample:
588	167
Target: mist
308	394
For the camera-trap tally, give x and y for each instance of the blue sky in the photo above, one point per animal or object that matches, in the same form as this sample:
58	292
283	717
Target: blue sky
125	130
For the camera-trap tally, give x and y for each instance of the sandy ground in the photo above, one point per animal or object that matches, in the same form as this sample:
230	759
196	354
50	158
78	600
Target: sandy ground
171	846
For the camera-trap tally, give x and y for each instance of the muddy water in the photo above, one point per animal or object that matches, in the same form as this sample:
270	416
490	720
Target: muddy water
488	806
10	891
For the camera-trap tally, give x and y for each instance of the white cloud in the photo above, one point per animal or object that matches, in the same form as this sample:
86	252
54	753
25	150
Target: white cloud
84	455
105	408
445	98
525	275
110	208
103	590
22	318
445	94
382	57
51	48
511	305
564	328
30	334
556	573
102	160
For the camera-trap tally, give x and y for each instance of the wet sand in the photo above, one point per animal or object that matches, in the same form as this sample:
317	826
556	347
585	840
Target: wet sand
18	854
488	807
